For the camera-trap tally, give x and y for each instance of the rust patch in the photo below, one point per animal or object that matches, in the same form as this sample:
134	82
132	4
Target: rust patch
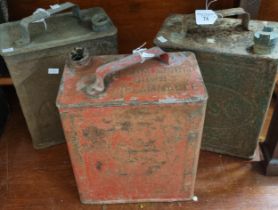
123	174
106	121
99	165
134	151
150	143
154	168
144	124
159	119
94	133
74	139
126	126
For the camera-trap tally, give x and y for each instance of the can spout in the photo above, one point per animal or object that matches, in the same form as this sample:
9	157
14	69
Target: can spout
79	57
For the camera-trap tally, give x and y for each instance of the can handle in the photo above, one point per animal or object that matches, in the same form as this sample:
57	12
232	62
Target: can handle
102	71
245	17
24	23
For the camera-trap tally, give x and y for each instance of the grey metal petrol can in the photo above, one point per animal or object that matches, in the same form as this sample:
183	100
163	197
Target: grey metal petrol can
35	55
238	60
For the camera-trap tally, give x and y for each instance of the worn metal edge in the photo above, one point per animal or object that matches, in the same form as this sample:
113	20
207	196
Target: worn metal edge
221	152
54	44
121	103
122	201
48	144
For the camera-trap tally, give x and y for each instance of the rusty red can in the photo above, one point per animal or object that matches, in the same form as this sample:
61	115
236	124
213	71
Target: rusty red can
133	125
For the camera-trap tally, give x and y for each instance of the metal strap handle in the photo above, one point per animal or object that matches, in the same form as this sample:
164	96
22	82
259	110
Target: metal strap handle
24	23
189	20
245	16
118	65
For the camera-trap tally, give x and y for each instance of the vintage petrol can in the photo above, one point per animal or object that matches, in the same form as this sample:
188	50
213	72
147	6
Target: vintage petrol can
134	135
35	55
238	61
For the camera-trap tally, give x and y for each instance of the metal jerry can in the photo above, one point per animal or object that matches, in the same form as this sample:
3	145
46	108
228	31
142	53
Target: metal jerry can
134	135
238	60
35	54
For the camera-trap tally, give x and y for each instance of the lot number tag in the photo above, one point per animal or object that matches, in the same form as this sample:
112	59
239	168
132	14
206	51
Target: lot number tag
205	17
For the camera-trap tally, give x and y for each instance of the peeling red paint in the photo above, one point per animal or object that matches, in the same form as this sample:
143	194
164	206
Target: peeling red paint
140	144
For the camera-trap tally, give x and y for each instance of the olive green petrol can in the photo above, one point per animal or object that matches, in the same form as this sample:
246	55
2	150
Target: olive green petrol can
238	60
35	50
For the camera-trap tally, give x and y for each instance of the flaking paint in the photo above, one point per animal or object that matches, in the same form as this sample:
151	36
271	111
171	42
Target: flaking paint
135	152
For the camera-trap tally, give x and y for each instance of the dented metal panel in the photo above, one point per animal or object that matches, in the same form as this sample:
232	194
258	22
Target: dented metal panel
147	122
30	52
239	81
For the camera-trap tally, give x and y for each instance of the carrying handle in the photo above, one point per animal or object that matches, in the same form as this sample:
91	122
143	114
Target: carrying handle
24	23
245	16
118	65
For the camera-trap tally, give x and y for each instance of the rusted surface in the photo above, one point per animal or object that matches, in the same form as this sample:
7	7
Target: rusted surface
152	82
239	82
139	140
29	63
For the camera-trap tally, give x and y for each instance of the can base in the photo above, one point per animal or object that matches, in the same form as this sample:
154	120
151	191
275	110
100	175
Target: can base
223	152
157	200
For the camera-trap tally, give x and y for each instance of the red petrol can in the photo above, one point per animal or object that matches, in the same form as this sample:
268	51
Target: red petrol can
133	125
